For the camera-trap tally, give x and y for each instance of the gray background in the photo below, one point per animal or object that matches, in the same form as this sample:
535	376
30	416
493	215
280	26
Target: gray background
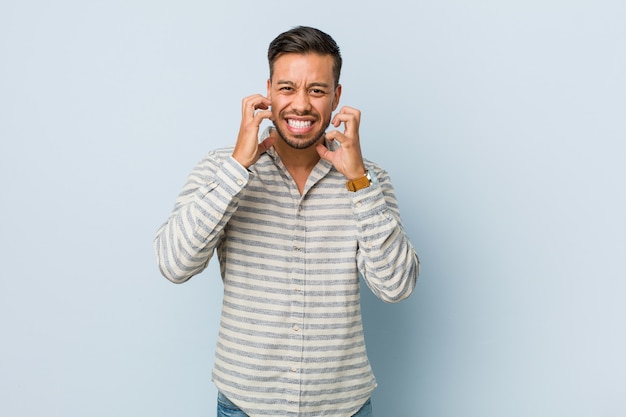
502	124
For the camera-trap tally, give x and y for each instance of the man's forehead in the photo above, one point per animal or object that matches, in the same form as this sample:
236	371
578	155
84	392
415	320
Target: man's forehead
309	58
288	66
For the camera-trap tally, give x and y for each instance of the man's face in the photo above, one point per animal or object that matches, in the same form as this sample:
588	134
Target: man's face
303	95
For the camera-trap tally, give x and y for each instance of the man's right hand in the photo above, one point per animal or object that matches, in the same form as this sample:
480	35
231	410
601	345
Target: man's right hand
254	111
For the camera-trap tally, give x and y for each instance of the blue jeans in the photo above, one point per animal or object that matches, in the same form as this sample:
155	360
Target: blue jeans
225	408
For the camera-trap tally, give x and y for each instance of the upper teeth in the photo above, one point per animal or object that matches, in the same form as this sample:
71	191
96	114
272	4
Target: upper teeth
299	124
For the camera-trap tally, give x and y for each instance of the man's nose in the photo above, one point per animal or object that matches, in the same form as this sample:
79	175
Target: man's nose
301	101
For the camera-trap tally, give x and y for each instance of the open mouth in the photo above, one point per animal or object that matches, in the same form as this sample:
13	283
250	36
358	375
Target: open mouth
299	125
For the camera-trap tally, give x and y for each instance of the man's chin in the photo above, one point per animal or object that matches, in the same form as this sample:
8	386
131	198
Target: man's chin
299	141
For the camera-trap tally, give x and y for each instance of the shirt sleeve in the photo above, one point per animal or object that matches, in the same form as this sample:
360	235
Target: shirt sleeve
185	243
385	258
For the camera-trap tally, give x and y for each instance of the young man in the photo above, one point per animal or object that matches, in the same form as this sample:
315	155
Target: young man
296	215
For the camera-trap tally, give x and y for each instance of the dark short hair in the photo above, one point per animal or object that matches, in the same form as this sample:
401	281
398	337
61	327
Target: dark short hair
304	40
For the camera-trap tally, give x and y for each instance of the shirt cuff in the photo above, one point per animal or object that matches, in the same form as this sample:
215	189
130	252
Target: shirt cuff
369	202
233	176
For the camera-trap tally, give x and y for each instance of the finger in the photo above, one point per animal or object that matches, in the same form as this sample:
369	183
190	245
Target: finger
253	103
323	152
345	118
336	136
350	117
345	111
266	144
261	115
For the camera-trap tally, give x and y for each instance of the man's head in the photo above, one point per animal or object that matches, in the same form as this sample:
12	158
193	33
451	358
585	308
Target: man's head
305	40
303	86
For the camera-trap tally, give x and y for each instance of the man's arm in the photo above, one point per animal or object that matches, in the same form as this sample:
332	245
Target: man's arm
386	258
185	243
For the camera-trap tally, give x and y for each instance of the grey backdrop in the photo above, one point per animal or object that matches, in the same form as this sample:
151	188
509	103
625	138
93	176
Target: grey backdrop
502	124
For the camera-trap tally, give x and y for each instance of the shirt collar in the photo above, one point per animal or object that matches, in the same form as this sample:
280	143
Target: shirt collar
320	170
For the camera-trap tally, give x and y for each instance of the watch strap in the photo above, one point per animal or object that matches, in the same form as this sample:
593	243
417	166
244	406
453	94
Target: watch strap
359	183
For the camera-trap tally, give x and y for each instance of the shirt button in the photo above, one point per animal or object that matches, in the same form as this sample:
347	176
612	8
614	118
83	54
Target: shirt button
294	369
240	181
298	289
359	204
296	328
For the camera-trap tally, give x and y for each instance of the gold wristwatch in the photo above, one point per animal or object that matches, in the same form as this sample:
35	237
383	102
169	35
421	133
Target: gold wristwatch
359	183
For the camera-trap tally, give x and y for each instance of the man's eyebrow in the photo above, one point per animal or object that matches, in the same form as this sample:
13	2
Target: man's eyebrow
313	84
319	84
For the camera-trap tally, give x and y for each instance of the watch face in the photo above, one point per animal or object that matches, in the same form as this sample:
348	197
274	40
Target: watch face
371	175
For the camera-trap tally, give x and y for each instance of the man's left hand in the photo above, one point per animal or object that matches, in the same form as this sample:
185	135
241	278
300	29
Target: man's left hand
347	159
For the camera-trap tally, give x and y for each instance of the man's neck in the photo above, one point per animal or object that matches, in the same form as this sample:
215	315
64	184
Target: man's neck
297	160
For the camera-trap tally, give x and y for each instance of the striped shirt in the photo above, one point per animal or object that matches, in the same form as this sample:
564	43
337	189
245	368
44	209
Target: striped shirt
291	338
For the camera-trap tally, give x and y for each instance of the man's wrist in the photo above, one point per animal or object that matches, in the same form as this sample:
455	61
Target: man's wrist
359	183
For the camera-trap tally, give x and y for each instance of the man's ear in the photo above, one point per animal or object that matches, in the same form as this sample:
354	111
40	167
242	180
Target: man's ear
337	96
269	88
